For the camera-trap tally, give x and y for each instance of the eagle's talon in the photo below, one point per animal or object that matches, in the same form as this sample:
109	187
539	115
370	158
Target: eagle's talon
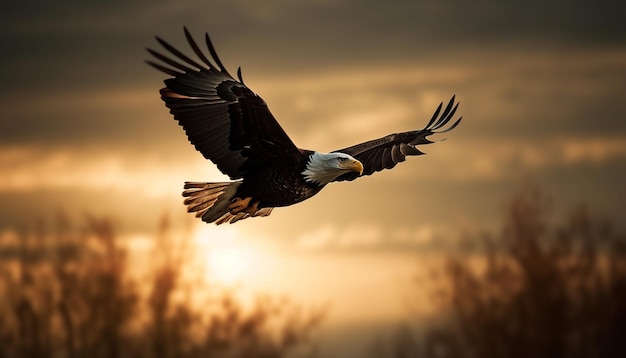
238	205
252	209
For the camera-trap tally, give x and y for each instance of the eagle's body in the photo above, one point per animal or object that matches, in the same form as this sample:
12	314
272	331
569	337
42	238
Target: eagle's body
284	177
233	127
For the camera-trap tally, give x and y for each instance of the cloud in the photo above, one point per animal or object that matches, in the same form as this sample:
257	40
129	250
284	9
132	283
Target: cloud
592	150
469	160
88	84
30	169
540	87
374	236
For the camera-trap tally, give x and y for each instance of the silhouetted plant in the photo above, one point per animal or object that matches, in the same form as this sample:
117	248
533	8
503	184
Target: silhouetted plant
539	290
67	293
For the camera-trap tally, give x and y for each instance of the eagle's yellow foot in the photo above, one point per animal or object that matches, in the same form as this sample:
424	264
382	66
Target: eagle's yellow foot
238	205
252	209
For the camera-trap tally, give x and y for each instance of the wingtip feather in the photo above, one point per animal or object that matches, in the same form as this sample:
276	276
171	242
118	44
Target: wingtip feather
209	43
239	75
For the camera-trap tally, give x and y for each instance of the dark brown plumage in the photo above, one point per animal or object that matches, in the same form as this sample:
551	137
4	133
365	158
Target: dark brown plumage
386	152
233	127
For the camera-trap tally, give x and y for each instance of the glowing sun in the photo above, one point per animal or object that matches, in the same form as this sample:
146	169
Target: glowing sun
226	257
228	264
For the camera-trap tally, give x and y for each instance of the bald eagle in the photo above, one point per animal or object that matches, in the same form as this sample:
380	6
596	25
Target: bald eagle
234	128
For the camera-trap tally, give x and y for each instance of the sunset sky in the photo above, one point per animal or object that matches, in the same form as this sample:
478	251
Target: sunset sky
542	89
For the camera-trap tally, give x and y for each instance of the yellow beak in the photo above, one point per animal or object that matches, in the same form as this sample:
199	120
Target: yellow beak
357	167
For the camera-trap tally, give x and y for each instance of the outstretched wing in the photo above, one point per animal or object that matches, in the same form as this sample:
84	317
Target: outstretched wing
386	152
226	122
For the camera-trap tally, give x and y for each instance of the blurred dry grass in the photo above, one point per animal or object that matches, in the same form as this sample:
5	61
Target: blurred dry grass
538	290
68	292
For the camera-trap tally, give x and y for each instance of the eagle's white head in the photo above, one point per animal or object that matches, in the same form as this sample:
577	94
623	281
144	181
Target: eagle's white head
323	168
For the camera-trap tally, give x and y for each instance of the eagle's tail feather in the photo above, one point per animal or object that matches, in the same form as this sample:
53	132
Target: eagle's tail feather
211	201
